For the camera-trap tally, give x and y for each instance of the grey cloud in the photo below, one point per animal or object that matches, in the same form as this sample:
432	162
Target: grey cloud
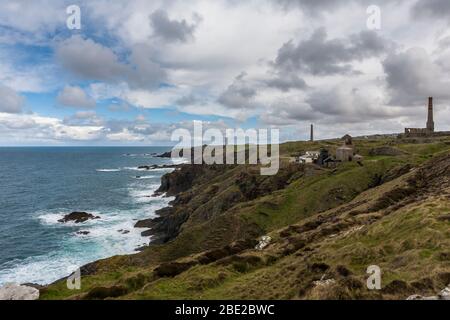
287	112
171	30
239	95
317	7
412	76
73	96
145	73
311	6
10	101
286	82
92	61
189	100
89	60
348	104
320	56
432	9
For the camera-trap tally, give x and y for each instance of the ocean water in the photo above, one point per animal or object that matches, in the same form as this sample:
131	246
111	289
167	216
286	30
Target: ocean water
38	185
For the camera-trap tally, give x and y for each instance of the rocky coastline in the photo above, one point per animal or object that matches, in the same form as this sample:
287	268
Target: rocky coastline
166	225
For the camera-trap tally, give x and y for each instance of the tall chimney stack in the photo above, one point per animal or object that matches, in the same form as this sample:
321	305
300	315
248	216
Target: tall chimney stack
312	133
430	122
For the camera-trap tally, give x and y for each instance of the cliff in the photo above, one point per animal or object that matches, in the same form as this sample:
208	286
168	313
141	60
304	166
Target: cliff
325	226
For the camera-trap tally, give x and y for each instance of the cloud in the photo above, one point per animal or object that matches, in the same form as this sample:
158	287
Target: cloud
189	100
287	81
10	101
320	56
288	111
412	76
239	95
310	6
171	30
73	96
93	61
346	103
89	60
84	118
432	9
35	129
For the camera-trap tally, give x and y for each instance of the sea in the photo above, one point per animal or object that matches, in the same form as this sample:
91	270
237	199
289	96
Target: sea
39	185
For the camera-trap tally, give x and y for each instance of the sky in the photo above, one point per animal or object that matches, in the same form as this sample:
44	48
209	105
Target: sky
137	70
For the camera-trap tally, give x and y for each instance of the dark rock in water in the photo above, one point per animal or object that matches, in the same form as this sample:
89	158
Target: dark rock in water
154	166
167	154
122	231
147	223
78	217
83	233
146	167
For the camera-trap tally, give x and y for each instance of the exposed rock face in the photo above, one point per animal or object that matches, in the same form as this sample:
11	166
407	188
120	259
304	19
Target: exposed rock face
78	217
197	206
12	291
165	227
180	180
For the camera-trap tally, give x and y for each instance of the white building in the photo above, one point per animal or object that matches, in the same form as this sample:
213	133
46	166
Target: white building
309	157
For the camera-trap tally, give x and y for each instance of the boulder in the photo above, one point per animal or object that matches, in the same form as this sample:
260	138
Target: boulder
13	291
78	217
263	242
445	294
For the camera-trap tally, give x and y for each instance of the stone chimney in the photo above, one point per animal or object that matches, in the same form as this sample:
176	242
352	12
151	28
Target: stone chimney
430	122
312	133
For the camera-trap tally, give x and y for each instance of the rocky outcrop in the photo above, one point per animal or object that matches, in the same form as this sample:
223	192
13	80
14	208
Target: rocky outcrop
180	180
165	227
443	295
78	217
14	291
155	166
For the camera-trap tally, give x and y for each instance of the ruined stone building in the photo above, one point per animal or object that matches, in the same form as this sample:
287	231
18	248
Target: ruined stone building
429	130
345	153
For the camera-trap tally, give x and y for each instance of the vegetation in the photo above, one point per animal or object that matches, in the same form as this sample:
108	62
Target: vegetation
327	226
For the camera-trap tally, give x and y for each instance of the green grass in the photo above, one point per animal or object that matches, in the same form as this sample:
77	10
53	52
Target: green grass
314	194
407	244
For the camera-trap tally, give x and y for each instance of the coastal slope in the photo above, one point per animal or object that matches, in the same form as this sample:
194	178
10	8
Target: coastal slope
323	228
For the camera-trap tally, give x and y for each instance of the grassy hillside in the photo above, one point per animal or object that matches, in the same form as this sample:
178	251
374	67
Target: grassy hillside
327	226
